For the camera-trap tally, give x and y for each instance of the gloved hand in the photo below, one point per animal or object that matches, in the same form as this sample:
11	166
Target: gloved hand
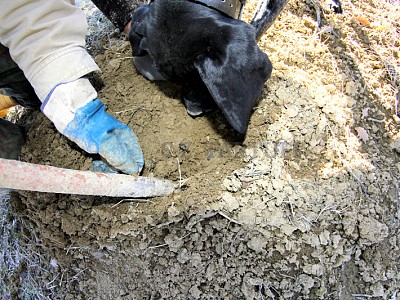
86	123
96	131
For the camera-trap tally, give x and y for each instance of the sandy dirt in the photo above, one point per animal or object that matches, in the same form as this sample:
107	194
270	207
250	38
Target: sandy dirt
306	206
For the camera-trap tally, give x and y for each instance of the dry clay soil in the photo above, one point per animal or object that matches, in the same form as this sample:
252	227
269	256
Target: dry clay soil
306	206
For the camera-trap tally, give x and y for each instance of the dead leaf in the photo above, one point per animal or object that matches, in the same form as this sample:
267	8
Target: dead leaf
362	134
54	263
362	20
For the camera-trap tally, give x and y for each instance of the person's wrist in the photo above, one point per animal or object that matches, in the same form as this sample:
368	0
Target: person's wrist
65	99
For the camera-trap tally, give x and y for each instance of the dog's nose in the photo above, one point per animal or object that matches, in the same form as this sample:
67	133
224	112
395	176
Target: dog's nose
193	110
145	65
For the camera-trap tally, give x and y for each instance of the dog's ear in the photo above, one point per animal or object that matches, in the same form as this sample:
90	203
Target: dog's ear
234	71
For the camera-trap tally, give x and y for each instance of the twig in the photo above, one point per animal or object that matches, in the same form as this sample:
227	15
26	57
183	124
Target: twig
75	248
396	190
128	57
291	208
163	245
287	276
256	173
317	8
307	220
129	109
75	277
108	48
49	283
130	200
362	296
204	216
170	151
360	183
376	120
154	247
324	209
228	218
180	173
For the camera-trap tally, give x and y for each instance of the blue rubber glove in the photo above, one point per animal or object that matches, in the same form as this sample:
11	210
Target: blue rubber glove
96	131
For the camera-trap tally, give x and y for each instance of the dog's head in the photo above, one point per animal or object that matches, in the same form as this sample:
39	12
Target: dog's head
213	56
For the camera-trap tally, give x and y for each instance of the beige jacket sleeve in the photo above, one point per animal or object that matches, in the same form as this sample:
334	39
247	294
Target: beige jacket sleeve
46	39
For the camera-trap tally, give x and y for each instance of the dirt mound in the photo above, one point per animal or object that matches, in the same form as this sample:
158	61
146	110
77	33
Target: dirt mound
305	207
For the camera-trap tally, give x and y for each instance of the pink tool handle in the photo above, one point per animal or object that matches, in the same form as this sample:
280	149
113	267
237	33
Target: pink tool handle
19	175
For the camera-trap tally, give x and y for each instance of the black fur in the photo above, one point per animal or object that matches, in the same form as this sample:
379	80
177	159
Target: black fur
215	58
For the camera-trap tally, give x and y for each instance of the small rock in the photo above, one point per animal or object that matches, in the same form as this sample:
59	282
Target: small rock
282	93
294	165
396	119
247	217
276	217
396	145
232	184
321	100
230	202
292	110
378	290
324	237
362	134
351	88
350	102
173	211
183	256
125	218
280	66
372	230
288	229
330	88
316	269
278	184
281	147
306	281
287	136
173	242
257	243
115	64
195	292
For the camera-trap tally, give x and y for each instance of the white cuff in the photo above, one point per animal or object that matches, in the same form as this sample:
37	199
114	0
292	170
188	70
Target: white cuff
62	103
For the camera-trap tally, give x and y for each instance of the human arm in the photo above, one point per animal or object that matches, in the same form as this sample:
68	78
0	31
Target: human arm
46	39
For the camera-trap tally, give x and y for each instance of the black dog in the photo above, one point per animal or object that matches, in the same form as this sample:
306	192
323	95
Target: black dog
203	47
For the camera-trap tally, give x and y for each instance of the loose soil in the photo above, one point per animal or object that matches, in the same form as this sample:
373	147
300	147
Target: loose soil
305	206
